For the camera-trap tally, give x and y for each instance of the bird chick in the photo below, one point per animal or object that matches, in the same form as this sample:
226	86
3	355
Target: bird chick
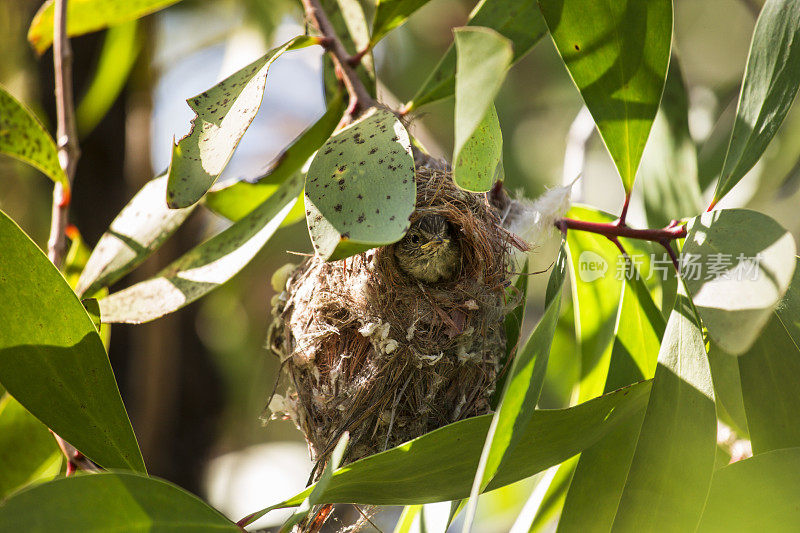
429	251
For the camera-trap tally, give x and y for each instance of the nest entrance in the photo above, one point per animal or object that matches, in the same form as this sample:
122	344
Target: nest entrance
370	350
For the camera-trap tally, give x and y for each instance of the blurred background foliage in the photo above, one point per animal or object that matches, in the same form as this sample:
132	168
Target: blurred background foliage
196	381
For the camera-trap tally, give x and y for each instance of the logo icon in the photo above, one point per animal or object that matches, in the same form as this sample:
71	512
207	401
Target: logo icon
591	266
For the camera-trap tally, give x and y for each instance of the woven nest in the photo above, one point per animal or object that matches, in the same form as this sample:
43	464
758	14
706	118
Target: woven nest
367	349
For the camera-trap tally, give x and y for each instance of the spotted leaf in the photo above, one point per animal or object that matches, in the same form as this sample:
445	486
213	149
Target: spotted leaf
23	137
203	268
483	58
360	189
138	230
224	112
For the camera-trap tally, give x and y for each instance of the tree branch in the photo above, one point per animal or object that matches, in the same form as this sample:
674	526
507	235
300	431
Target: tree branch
360	99
68	154
66	134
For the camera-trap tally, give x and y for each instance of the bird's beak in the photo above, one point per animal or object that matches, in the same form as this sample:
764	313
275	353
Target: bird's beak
436	242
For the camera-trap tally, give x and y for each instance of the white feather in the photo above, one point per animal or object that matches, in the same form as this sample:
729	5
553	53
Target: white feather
534	221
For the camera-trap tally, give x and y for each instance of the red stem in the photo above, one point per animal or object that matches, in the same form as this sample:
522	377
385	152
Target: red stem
624	213
614	230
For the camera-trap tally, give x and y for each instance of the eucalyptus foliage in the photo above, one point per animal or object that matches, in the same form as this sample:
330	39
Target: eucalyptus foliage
662	362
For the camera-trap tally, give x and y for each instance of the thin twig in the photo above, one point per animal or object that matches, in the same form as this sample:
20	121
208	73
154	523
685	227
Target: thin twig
360	99
624	213
66	133
365	517
612	230
675	262
619	246
68	154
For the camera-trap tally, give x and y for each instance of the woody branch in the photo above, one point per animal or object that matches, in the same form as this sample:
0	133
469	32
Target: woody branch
360	99
68	154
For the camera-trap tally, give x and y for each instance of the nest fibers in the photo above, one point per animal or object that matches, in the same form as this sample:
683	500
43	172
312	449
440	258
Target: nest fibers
367	349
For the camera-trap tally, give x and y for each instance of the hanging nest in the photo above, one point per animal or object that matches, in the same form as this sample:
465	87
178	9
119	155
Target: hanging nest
365	348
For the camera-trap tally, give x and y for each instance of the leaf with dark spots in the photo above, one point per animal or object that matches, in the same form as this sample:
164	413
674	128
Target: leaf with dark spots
202	158
359	176
23	137
206	266
138	230
483	60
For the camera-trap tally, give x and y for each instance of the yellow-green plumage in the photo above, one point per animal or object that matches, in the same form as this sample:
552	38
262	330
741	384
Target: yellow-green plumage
429	251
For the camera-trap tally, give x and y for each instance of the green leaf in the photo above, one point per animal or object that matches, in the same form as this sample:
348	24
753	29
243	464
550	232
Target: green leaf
360	189
85	16
512	325
76	258
596	292
520	22
120	49
673	463
513	320
602	470
728	389
737	264
237	200
711	152
110	502
223	114
770	84
408	518
669	163
479	158
482	61
414	472
52	360
389	14
203	268
28	452
637	336
617	54
348	15
757	494
521	392
552	501
320	486
769	373
138	230
594	494
563	365
23	137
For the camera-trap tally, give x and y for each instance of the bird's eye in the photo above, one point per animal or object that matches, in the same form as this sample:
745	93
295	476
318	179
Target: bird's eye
415	238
